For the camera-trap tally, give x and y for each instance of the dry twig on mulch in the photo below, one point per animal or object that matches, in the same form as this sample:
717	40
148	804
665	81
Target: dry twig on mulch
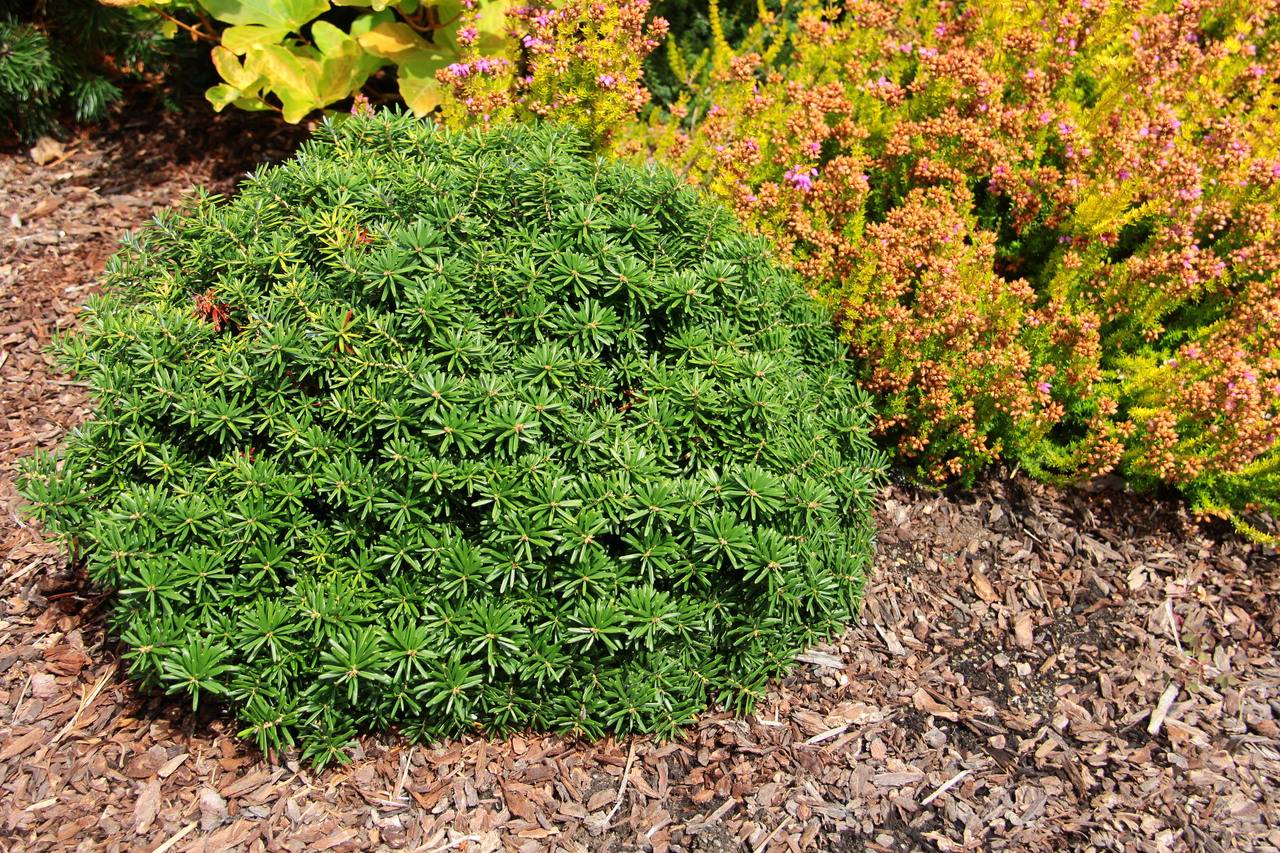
1034	668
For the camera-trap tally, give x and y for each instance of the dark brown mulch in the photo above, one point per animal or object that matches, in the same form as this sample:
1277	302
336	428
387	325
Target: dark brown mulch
1034	669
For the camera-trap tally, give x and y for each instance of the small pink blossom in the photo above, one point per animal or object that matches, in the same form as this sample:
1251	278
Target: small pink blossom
801	178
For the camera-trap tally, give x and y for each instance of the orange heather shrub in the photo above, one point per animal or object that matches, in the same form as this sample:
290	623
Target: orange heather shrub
1051	227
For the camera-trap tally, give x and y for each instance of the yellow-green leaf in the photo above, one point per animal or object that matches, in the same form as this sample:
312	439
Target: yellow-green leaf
342	69
222	95
292	75
239	40
394	41
418	85
233	71
375	5
365	23
289	14
329	38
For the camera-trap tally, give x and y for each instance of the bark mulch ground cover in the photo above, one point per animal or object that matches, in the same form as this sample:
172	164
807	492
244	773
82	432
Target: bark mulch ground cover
1034	669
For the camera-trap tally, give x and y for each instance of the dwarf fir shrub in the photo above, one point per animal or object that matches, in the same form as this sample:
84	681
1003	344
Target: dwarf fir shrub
60	60
461	431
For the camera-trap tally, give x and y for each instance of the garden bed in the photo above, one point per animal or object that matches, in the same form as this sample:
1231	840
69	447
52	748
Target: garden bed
1034	668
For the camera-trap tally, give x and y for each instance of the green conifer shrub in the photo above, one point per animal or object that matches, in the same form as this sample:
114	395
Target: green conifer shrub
461	431
60	60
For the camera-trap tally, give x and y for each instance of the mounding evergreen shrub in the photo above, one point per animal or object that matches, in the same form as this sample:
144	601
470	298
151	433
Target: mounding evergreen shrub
60	61
461	431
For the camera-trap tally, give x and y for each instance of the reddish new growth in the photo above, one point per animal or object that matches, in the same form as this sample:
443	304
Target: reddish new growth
209	309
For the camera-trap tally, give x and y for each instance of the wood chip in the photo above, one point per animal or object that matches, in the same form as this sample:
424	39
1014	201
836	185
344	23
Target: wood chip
983	587
147	807
1161	710
46	150
924	702
1022	630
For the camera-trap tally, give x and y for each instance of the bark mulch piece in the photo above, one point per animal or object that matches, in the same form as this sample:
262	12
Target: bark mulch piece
1034	668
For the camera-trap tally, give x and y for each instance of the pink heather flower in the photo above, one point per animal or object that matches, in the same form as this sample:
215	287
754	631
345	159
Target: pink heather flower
1191	351
483	65
459	69
1045	117
606	81
468	35
814	148
1044	387
360	105
801	178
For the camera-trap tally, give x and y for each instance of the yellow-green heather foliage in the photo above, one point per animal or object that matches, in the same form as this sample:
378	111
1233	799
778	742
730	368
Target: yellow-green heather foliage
1051	227
579	61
